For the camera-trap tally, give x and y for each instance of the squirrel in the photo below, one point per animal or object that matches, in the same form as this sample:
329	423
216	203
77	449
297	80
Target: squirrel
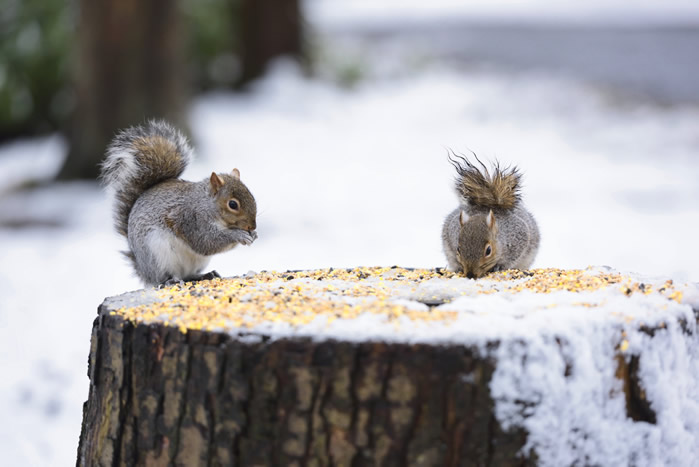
173	226
491	230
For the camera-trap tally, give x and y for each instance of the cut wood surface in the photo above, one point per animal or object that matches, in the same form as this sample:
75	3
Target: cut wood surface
390	366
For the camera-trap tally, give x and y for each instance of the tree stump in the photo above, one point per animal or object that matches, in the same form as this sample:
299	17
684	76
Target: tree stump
389	366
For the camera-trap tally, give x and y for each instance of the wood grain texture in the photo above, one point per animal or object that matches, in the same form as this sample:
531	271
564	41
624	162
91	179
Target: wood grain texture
160	397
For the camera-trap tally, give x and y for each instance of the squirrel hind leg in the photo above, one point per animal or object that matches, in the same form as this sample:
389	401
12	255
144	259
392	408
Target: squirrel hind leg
170	281
203	277
193	278
213	274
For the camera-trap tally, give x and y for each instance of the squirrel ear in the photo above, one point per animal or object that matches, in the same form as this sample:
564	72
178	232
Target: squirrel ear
490	220
216	182
463	217
236	174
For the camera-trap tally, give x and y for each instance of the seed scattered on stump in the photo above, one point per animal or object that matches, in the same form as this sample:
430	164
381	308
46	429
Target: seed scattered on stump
301	297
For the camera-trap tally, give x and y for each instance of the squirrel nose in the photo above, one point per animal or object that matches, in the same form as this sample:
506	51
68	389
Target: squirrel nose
470	275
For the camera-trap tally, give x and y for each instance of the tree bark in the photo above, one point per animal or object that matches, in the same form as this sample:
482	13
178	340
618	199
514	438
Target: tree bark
270	28
159	397
129	67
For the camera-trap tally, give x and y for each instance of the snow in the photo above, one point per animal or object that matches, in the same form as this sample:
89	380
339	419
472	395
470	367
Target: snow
360	13
581	418
348	177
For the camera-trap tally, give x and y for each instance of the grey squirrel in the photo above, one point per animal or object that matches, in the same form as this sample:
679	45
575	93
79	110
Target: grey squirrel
491	230
173	226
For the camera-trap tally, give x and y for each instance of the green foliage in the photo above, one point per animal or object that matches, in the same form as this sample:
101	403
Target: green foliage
214	39
37	43
35	37
347	67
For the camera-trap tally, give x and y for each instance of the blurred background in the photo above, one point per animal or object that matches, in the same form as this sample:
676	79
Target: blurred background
339	114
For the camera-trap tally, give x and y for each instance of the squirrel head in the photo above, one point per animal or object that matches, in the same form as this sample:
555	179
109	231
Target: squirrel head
477	250
236	204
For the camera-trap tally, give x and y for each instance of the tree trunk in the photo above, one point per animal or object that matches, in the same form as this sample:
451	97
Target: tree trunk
158	396
129	67
270	28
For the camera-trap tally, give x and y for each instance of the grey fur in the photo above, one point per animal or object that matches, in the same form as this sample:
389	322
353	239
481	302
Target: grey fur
516	238
185	210
172	226
450	239
129	172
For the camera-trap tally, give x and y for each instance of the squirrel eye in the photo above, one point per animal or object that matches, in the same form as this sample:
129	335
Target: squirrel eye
233	205
488	251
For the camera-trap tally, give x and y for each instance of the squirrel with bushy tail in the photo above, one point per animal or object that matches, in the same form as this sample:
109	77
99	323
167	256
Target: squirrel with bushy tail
491	230
173	226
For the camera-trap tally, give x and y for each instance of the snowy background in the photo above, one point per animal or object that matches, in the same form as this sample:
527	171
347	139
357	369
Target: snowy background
349	168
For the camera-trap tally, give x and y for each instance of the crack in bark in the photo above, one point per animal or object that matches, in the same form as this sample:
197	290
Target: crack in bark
185	346
245	407
219	396
125	387
354	374
309	419
284	416
417	411
491	447
383	390
210	406
327	390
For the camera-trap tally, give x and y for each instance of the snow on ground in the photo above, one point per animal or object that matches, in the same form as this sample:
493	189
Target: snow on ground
343	177
386	12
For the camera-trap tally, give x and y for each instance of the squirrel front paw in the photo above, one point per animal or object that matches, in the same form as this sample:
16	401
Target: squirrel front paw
246	238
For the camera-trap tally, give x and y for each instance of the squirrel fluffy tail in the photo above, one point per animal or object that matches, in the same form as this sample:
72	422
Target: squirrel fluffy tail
139	158
499	190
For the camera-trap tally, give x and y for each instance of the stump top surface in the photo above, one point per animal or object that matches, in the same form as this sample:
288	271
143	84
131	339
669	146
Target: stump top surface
410	305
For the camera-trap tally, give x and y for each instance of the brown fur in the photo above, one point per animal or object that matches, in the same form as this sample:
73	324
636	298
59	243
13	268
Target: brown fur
156	151
158	158
174	228
474	236
229	188
499	190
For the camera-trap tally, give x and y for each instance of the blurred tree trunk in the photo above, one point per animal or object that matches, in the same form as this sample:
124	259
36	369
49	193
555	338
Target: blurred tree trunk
129	68
130	65
270	28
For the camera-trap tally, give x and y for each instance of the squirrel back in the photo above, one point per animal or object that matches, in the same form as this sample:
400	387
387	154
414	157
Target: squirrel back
499	190
139	158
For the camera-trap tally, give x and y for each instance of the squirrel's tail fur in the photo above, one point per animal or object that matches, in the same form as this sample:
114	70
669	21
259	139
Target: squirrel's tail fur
499	190
139	158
